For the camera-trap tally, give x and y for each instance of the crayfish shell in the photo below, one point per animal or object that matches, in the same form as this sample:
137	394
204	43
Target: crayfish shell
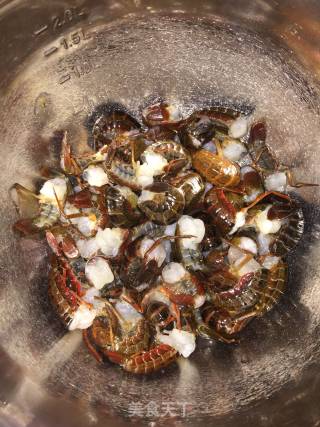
108	126
215	169
161	113
192	187
162	203
62	298
150	361
121	205
289	234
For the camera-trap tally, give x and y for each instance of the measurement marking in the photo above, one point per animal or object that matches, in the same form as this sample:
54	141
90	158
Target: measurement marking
64	79
50	51
41	30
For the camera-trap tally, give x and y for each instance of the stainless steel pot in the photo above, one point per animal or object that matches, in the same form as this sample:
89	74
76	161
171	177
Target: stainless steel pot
59	61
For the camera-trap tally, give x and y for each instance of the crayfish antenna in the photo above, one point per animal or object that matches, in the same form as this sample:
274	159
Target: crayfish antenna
296	184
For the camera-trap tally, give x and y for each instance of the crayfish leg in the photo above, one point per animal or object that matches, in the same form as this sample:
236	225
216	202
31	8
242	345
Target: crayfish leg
293	183
90	347
68	163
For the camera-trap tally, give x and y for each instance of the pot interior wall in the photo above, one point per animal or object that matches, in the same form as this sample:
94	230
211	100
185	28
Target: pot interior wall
91	58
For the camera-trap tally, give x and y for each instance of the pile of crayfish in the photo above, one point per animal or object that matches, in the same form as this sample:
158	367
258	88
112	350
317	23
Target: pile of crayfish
168	229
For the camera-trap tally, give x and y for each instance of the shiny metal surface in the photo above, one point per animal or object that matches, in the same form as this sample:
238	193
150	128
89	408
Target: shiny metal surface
61	59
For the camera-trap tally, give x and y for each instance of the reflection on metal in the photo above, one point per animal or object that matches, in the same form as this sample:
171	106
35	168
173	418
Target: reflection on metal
236	54
300	30
30	392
